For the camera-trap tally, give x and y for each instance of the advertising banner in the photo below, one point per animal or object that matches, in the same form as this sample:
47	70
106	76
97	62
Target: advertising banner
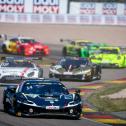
46	6
109	8
12	6
87	8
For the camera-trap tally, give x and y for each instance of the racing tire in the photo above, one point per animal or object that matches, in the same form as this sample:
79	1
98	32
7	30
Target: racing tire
98	76
89	78
50	75
5	105
76	115
4	49
64	51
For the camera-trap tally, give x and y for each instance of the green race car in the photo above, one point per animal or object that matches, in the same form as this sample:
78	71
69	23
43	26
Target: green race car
110	57
81	48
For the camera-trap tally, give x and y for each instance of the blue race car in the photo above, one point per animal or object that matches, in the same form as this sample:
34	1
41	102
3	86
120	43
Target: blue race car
37	97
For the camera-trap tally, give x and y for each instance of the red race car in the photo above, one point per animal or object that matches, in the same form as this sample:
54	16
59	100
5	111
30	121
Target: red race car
25	46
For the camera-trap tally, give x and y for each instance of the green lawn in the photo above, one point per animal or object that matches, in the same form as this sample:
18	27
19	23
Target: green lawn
106	104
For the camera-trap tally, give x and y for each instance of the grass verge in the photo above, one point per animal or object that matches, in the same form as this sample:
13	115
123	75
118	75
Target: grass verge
106	104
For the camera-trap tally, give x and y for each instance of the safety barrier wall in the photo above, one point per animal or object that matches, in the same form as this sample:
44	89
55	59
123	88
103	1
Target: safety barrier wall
55	12
63	19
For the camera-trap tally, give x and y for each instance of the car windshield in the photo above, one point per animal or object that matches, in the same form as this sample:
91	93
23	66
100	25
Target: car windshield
73	62
44	89
28	41
17	64
109	51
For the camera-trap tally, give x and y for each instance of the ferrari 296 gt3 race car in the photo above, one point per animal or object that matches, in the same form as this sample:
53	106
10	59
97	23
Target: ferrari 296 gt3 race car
74	68
37	97
17	68
25	46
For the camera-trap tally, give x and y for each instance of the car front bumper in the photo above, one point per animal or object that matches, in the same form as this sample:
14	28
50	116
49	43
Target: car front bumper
27	110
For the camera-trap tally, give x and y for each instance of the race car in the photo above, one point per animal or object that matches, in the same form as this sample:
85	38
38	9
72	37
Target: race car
81	48
25	46
14	69
74	68
110	57
35	97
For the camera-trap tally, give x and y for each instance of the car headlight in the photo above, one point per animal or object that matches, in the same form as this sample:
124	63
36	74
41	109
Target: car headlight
84	71
31	74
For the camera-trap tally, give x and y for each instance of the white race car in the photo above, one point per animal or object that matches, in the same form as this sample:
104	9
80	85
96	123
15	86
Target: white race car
13	70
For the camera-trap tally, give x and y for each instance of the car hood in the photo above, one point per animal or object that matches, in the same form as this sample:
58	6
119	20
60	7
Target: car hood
15	71
66	68
37	45
55	100
107	56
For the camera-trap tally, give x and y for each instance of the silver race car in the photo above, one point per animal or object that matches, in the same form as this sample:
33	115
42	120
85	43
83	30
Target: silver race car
74	68
14	69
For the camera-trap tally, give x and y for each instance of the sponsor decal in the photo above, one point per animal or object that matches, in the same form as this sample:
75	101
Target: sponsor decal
109	9
46	6
12	6
87	8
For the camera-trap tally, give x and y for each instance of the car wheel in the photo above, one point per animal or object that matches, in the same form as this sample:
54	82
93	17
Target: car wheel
50	75
5	105
88	78
64	51
4	49
76	114
98	76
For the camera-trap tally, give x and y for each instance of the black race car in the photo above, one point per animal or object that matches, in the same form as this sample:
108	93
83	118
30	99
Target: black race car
74	68
37	97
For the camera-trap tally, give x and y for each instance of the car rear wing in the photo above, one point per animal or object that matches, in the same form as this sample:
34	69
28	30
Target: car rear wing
66	40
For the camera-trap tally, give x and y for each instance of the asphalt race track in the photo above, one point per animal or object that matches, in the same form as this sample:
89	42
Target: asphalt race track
107	74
